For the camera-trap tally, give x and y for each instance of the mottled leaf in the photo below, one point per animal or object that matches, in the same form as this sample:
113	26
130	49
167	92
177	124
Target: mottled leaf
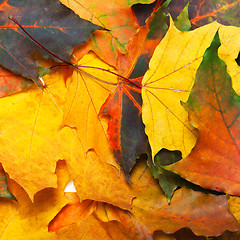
204	214
125	127
124	105
142	45
115	15
11	83
204	12
214	108
169	80
143	11
167	180
52	24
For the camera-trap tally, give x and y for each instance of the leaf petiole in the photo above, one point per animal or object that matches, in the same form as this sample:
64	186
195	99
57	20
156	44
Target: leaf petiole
71	63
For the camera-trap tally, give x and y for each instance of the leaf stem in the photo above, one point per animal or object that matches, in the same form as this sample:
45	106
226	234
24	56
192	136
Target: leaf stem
116	74
71	63
38	43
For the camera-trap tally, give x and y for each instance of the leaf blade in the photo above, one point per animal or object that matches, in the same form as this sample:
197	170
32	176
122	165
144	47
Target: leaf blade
214	162
50	23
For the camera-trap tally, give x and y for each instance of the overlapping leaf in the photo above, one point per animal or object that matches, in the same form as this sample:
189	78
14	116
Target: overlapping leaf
214	109
229	51
76	211
182	22
113	15
96	179
205	214
30	140
49	22
27	220
141	46
93	227
204	12
4	191
72	213
125	127
11	83
143	11
86	93
169	80
167	180
124	105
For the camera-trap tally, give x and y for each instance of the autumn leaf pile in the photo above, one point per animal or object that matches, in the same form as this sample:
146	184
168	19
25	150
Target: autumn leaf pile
119	120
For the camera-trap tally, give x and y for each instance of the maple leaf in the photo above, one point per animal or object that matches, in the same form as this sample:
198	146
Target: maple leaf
124	104
214	161
204	214
30	140
32	218
188	209
169	80
86	93
125	126
109	207
96	179
50	22
141	46
114	15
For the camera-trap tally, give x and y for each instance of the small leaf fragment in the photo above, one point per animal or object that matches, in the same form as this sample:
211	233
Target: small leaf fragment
4	191
182	23
11	83
167	180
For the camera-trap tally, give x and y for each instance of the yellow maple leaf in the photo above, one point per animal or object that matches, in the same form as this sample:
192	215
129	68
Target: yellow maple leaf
30	142
96	179
169	81
87	91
